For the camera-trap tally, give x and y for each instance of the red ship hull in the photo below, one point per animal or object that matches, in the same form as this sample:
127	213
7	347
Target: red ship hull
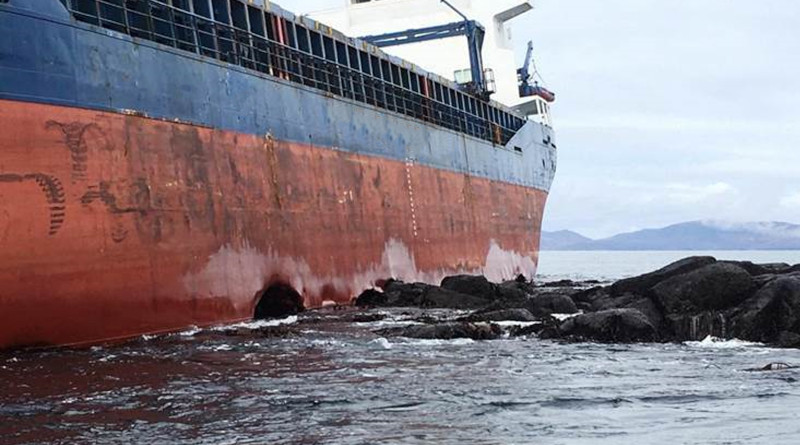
115	225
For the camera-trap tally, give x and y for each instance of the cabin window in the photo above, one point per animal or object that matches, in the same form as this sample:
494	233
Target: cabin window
112	15
138	20
238	15
389	88
353	58
86	10
364	62
185	5
255	18
184	27
221	11
200	7
290	33
330	54
341	57
302	41
375	65
269	21
358	86
414	83
404	78
162	24
316	43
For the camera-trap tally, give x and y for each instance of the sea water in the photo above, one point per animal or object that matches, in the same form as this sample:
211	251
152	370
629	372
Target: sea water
335	382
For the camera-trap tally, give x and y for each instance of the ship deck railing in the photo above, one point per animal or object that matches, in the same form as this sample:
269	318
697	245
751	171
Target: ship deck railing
186	30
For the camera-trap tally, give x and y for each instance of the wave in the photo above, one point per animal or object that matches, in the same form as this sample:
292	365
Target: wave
720	343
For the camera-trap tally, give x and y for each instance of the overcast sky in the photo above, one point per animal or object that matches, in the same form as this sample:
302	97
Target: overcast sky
667	110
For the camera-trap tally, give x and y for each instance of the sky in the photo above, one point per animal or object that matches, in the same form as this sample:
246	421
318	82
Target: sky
667	110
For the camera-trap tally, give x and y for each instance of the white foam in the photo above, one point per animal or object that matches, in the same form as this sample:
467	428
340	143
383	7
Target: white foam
562	317
389	323
382	342
259	323
720	343
522	324
436	342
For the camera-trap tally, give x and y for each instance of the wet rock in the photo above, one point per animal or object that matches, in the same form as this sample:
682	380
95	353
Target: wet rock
788	339
400	294
694	327
610	326
773	310
712	287
446	331
541	329
371	298
475	285
778	366
649	309
264	332
561	283
518	314
365	318
642	283
551	303
437	297
759	269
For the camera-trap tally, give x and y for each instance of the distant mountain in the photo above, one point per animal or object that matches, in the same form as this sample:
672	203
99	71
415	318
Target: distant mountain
563	240
694	235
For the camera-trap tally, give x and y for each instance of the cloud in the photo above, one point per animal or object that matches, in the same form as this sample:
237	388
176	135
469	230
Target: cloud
791	201
695	194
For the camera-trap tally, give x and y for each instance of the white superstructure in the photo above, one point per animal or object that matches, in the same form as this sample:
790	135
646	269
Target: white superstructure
446	56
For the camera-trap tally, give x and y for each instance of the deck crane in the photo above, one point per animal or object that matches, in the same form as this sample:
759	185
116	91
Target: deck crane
474	31
524	76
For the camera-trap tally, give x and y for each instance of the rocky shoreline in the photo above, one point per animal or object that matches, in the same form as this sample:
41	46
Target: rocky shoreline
687	300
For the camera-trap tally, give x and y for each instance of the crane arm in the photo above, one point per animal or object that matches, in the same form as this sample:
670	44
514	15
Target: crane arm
524	72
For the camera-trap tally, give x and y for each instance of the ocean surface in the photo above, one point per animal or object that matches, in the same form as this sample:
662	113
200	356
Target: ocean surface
332	381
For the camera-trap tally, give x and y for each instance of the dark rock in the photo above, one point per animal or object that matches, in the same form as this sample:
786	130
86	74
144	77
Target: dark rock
775	267
547	325
370	298
605	302
446	331
517	314
788	340
649	309
551	303
590	295
513	291
265	332
560	283
611	326
400	294
475	285
437	297
774	309
696	326
751	268
773	367
642	283
365	318
713	287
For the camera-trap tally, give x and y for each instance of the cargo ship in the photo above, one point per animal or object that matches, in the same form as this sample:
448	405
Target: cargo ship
176	163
